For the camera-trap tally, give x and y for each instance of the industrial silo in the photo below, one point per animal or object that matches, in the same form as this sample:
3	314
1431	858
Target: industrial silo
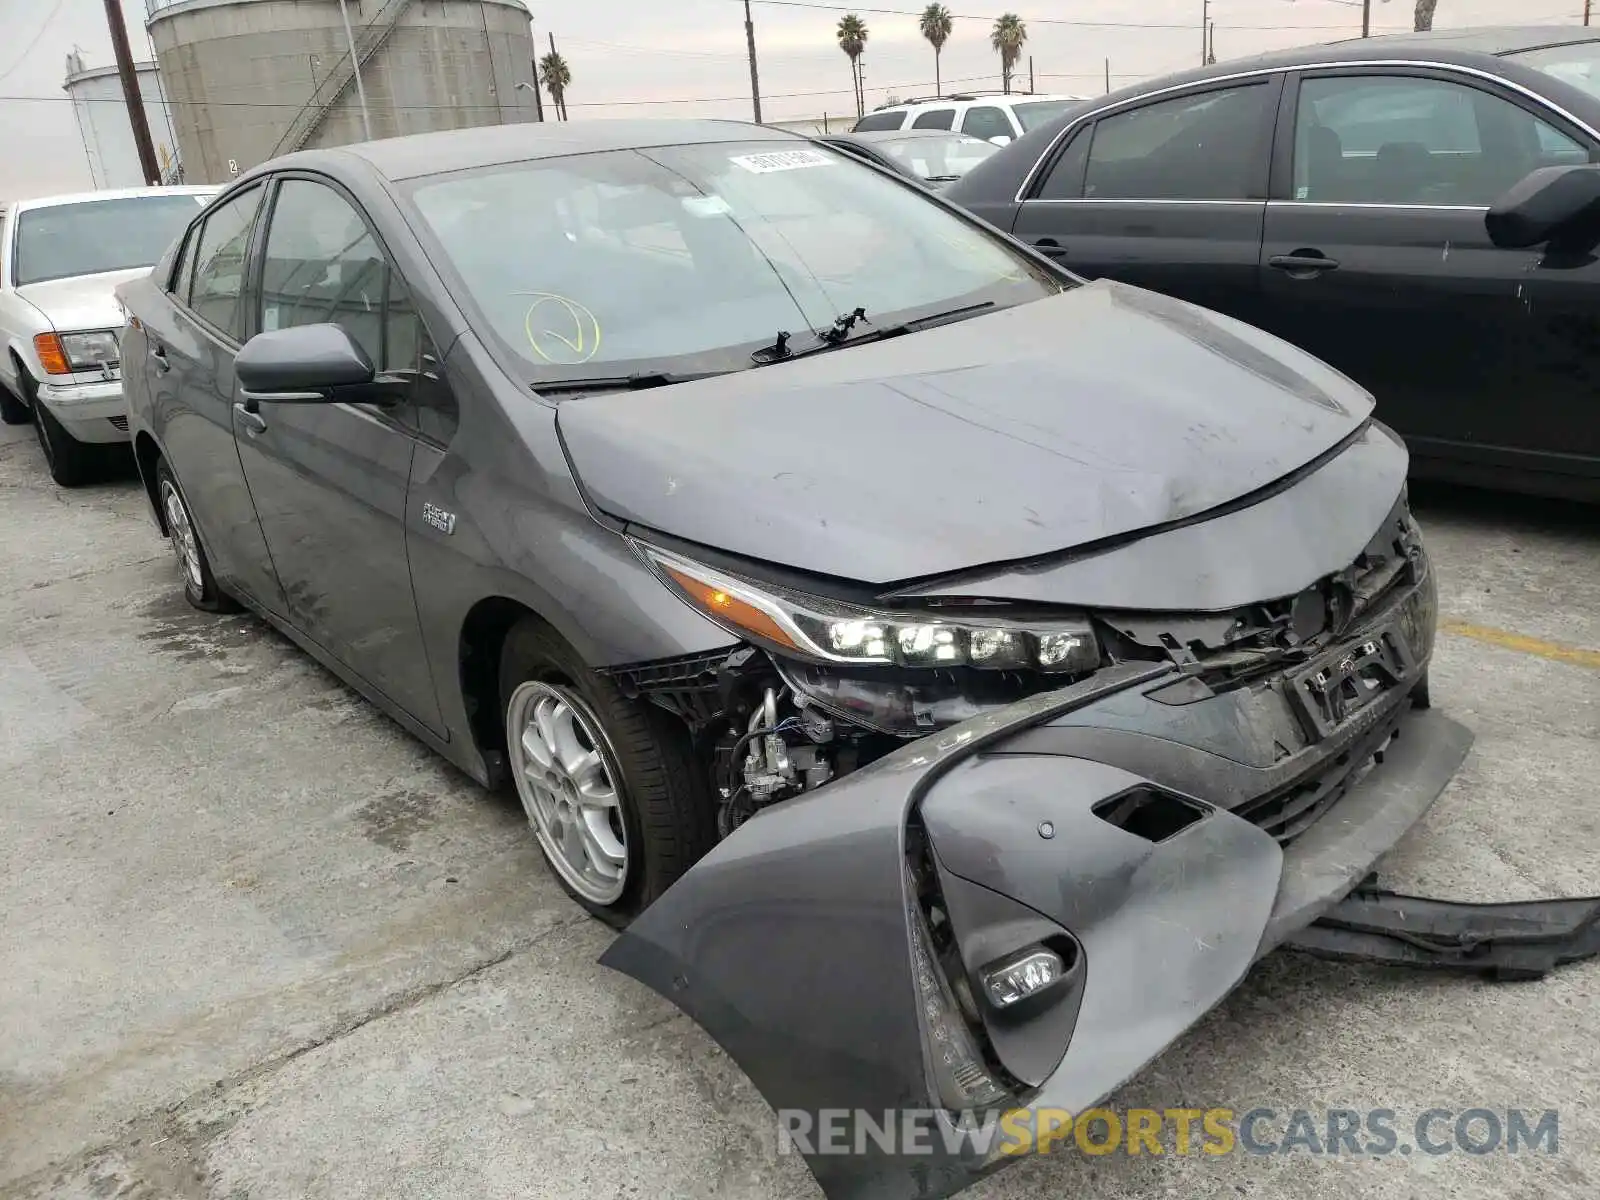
104	128
248	80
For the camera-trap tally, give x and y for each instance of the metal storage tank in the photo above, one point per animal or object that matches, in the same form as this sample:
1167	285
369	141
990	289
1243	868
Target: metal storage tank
105	130
248	80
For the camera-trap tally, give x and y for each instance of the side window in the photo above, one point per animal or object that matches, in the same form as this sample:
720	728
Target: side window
1376	139
217	293
183	273
880	120
1207	146
986	121
935	118
1065	179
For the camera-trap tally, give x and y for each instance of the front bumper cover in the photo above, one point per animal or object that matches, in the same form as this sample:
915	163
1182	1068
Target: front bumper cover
789	943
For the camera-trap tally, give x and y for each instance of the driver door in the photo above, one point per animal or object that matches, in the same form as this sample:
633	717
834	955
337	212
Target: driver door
330	480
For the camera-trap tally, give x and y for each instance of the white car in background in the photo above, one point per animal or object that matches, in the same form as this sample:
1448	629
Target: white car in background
996	117
60	259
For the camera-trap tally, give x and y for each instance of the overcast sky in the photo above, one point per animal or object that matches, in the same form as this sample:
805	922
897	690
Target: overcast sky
686	58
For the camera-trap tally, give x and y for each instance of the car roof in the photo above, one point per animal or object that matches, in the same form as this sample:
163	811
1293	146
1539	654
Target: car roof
424	154
1451	46
900	135
1000	98
111	194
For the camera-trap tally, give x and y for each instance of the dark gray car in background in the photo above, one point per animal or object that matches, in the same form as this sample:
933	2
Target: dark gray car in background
1336	196
1019	659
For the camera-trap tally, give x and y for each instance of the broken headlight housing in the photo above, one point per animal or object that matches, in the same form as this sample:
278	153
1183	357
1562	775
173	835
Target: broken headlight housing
821	629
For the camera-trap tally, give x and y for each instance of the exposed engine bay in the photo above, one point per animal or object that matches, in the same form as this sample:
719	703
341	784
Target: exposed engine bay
770	726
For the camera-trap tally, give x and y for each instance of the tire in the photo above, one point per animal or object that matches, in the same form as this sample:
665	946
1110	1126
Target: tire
200	586
72	463
661	816
13	411
1419	693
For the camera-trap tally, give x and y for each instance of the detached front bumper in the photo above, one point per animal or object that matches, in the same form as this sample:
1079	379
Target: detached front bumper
90	412
1058	821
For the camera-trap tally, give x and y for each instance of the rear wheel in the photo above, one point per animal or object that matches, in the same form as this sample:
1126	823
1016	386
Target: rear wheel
609	785
199	584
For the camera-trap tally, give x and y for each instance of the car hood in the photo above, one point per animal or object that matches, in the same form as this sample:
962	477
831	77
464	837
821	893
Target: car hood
1094	414
83	302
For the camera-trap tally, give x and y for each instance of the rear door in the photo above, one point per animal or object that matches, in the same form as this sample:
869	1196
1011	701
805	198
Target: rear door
1375	258
189	351
1167	193
330	480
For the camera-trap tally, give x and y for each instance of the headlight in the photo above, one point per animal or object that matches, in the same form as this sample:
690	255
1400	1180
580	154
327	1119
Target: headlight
62	354
826	630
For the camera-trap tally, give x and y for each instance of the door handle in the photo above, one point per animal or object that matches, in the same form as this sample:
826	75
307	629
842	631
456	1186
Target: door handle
254	423
159	357
1050	248
1303	264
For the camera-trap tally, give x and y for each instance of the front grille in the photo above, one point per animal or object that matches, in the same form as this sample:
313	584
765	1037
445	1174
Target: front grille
1290	809
119	423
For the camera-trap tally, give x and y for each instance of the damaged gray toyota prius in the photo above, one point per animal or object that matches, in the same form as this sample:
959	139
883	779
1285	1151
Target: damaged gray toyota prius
950	674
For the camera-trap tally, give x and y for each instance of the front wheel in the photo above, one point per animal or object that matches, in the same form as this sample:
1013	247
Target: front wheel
609	785
71	462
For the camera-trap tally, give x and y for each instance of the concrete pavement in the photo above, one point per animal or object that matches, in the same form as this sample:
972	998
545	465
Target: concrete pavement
255	942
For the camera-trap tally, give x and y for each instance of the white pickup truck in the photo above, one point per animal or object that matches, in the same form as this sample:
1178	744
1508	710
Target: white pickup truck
60	259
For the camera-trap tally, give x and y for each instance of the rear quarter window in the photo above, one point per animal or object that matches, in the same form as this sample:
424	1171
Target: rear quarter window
879	120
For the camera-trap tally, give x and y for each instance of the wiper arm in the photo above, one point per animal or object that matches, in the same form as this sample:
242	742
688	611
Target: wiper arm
637	382
839	335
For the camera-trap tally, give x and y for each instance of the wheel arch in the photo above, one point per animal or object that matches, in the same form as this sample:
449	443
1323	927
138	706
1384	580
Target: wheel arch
146	453
479	646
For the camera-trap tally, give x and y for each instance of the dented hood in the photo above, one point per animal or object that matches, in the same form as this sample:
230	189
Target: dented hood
1097	413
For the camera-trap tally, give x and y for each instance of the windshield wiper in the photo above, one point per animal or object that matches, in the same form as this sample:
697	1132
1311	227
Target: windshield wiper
839	335
637	382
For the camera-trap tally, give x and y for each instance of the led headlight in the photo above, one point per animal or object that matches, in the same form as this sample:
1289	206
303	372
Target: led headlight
826	630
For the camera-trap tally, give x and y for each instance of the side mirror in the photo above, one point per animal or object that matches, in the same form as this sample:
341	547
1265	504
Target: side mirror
1001	139
1560	205
305	364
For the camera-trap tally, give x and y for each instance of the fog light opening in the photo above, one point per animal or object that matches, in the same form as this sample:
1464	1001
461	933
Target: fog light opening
1152	815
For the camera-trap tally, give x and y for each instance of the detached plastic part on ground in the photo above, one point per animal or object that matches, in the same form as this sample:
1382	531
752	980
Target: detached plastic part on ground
1515	940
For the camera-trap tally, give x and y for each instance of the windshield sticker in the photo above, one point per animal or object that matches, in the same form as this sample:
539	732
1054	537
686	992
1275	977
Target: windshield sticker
705	206
781	160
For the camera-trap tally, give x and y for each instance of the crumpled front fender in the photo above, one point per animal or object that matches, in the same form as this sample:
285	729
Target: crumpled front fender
790	942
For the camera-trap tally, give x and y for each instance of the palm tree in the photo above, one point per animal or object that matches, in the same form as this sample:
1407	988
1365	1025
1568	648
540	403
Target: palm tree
557	78
852	35
935	26
1007	39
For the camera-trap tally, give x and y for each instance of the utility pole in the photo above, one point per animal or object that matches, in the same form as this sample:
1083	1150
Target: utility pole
1030	74
130	93
1205	25
1366	17
755	78
1108	76
355	62
1211	50
1587	4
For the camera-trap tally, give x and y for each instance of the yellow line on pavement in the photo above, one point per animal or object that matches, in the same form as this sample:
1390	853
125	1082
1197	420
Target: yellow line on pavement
1507	640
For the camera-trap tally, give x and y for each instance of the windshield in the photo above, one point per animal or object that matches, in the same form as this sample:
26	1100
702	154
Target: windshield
1577	64
91	236
938	157
1040	112
686	259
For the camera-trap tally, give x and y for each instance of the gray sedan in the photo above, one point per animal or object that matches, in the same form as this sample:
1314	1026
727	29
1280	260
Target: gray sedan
958	674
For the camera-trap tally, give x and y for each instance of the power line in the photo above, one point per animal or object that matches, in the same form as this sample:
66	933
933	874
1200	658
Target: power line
27	50
903	12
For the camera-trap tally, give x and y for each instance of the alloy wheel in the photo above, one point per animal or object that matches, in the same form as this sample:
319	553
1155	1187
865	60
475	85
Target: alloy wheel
181	531
566	775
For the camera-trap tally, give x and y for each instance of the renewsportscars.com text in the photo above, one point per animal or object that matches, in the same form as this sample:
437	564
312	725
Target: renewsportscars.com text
1374	1132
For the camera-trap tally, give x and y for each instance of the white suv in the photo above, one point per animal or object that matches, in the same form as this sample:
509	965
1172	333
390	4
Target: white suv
994	116
60	258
